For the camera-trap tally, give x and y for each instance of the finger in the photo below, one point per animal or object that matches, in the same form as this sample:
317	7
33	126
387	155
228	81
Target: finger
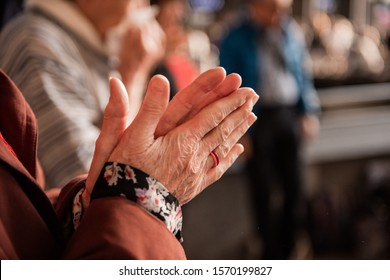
183	102
216	173
154	105
224	148
220	140
114	124
211	116
241	118
228	86
212	161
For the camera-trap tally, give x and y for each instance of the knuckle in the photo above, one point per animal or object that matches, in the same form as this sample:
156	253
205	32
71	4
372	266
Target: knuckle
218	173
243	128
219	116
224	131
224	149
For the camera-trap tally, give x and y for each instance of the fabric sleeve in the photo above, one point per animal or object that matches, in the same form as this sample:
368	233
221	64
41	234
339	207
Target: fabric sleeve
116	228
113	227
309	102
122	180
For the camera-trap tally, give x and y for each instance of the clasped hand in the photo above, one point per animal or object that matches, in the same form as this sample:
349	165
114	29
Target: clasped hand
172	141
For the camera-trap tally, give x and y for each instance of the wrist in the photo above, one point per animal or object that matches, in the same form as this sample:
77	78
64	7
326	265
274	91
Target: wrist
122	180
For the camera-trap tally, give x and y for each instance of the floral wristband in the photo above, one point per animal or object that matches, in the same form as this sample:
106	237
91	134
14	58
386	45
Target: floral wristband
118	179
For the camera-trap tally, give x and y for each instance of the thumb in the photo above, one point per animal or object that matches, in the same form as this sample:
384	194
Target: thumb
154	105
114	124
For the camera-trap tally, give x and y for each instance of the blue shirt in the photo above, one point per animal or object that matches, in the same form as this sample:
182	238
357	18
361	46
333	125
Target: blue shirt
240	52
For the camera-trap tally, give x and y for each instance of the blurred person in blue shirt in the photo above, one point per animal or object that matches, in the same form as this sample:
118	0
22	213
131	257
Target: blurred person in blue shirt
268	50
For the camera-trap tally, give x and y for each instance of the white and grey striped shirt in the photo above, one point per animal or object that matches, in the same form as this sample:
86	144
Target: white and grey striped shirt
63	73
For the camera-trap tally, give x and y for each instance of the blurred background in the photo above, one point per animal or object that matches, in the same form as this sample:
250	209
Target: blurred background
347	166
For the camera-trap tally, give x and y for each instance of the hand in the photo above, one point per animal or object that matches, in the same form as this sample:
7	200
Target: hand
207	88
142	46
181	159
142	43
210	86
310	127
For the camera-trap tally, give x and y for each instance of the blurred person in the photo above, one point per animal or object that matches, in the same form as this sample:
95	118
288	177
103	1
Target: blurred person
177	59
269	52
129	204
60	54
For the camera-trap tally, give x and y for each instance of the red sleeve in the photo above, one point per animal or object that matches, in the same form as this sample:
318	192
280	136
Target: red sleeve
116	228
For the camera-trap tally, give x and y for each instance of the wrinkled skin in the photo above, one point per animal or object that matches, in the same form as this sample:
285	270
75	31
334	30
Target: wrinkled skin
172	142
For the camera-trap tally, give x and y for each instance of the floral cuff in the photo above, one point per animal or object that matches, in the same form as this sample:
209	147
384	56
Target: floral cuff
118	179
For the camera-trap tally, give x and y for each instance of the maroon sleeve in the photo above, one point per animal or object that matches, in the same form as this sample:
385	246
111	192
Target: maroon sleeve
116	228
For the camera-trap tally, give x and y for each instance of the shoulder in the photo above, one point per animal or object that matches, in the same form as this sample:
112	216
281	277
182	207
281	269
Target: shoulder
240	36
32	44
33	33
30	24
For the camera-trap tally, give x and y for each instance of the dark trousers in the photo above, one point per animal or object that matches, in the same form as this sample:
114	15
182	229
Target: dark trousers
275	172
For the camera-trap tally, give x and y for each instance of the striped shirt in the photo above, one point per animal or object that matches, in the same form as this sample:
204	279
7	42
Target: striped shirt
64	77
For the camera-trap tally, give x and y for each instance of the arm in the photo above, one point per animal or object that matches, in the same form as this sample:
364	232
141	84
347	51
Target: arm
309	102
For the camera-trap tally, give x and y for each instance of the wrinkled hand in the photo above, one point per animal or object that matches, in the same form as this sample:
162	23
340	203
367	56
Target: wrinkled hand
180	159
209	87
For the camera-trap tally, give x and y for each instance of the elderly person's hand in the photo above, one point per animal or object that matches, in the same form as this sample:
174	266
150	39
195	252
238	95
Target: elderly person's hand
180	158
